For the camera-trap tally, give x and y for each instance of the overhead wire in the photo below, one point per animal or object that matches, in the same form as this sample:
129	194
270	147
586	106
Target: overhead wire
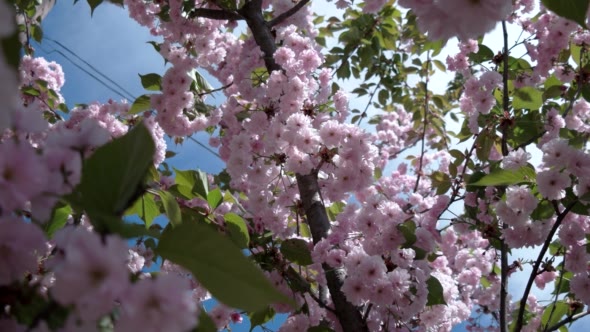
87	72
129	95
67	49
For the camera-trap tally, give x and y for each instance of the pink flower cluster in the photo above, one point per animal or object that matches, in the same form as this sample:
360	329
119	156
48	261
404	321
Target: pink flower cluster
458	18
50	73
478	97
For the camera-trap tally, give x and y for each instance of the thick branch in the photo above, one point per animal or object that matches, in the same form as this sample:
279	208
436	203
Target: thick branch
252	12
315	211
288	13
309	190
216	14
350	316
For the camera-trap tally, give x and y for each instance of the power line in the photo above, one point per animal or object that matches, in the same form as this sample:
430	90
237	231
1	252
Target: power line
87	72
128	96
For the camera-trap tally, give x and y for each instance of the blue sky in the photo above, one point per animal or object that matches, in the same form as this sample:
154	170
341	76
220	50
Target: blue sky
117	46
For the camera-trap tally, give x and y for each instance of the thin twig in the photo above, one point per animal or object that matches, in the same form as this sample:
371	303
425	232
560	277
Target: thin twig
504	246
505	99
364	114
529	285
287	14
568	320
426	111
366	315
459	181
208	92
556	293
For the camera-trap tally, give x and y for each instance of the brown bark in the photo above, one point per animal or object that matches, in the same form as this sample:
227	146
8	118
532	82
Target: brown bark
349	315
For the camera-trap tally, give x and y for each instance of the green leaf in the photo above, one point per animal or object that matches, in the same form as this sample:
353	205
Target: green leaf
554	91
297	251
59	218
441	181
485	283
435	292
544	210
36	32
378	173
260	317
483	54
146	208
93	4
527	98
64	108
206	324
156	46
200	81
564	287
484	142
585	89
335	209
553	313
439	65
219	266
304	230
237	229
574	10
195	181
30	91
576	51
526	127
152	82
171	207
214	198
11	47
141	104
555	247
112	178
408	230
502	177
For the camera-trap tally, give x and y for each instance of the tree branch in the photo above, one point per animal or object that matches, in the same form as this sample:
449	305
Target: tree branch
215	14
349	315
527	290
288	13
426	111
569	319
252	13
504	246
